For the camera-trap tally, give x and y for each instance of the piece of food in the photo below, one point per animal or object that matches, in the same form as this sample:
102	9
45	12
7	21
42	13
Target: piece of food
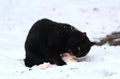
45	65
69	57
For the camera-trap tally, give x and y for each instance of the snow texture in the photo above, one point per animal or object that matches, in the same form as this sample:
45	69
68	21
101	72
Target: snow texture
96	17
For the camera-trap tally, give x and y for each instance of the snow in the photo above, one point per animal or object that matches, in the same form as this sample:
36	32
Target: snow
96	17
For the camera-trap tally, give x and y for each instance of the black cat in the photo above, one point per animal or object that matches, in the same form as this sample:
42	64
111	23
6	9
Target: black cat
47	40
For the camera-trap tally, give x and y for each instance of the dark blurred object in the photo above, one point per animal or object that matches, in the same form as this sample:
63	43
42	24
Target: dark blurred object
112	39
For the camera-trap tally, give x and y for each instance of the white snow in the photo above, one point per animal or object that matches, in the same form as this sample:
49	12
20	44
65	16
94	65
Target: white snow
96	17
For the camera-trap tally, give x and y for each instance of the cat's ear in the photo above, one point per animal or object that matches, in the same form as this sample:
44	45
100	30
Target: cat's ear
83	35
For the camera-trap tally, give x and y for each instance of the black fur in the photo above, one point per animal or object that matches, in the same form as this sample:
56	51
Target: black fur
47	40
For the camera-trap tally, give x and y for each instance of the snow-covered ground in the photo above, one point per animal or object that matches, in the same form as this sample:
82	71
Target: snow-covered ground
96	17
